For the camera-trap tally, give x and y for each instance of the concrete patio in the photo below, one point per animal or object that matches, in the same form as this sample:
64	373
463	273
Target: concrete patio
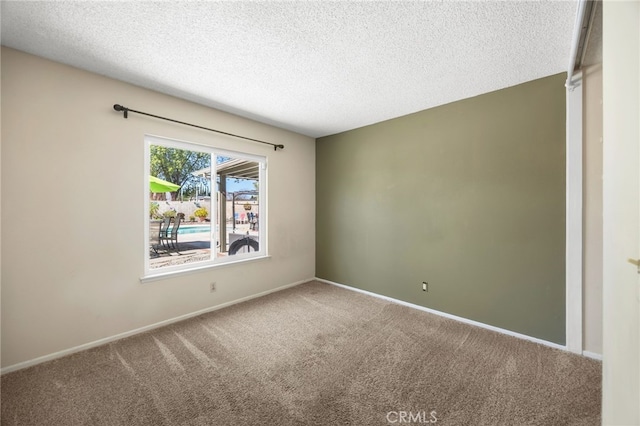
192	247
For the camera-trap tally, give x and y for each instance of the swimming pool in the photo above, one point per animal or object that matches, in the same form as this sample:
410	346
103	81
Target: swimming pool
193	229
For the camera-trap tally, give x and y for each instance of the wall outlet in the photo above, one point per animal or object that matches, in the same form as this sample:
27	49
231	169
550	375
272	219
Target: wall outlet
425	286
212	287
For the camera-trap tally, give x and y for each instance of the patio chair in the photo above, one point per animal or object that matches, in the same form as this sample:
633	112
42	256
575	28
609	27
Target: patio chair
170	236
162	234
155	229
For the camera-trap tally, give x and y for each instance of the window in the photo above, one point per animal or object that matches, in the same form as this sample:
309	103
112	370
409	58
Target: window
203	206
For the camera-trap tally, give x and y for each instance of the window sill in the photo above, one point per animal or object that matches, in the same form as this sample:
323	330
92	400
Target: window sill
173	274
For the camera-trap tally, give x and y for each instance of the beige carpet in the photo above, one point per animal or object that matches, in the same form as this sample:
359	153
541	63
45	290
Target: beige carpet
310	355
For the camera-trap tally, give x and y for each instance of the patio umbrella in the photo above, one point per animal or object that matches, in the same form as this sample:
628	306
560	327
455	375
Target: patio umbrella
159	185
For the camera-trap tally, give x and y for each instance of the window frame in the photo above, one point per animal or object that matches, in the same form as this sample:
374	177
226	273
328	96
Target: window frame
214	261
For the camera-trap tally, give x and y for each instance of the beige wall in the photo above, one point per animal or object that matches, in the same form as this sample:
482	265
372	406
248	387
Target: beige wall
621	213
70	272
592	208
485	178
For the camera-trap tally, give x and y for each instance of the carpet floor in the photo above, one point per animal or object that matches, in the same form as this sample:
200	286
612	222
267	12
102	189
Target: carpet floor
314	354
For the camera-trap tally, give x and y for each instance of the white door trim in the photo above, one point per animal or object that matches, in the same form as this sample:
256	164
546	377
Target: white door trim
574	180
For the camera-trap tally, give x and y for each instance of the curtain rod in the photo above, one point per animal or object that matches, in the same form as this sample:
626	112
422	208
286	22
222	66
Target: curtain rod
575	41
126	112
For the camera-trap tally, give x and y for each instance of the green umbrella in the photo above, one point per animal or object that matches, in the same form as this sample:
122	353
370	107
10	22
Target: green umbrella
159	185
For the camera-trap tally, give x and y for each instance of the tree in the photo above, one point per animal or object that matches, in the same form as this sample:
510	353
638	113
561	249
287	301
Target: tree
177	165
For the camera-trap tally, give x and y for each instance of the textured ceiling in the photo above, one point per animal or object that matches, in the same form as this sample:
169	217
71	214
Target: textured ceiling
317	68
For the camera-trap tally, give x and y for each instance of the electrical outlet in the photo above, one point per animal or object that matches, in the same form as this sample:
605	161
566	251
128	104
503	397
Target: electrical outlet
425	286
212	287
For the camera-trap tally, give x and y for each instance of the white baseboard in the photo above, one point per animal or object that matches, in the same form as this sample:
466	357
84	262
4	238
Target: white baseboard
592	355
119	336
453	317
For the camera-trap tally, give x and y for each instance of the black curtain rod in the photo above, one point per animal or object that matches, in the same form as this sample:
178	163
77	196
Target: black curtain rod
126	112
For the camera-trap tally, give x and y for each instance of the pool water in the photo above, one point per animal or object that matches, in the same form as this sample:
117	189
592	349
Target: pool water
193	229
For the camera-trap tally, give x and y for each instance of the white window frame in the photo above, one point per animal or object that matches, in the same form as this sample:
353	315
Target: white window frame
153	274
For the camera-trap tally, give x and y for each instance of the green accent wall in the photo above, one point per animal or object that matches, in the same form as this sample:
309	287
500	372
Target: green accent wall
469	196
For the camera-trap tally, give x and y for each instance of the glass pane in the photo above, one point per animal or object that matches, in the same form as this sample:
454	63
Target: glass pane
238	181
179	207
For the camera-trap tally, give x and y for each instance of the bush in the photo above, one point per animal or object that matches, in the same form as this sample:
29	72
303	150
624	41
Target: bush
153	210
201	212
169	213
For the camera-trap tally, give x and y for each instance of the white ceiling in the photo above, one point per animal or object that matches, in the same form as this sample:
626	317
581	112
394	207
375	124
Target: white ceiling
314	67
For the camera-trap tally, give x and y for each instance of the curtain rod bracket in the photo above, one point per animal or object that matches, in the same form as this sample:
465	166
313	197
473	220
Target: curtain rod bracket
126	111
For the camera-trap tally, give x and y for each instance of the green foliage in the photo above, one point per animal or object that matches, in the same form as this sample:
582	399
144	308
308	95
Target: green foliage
176	165
153	210
201	212
169	213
